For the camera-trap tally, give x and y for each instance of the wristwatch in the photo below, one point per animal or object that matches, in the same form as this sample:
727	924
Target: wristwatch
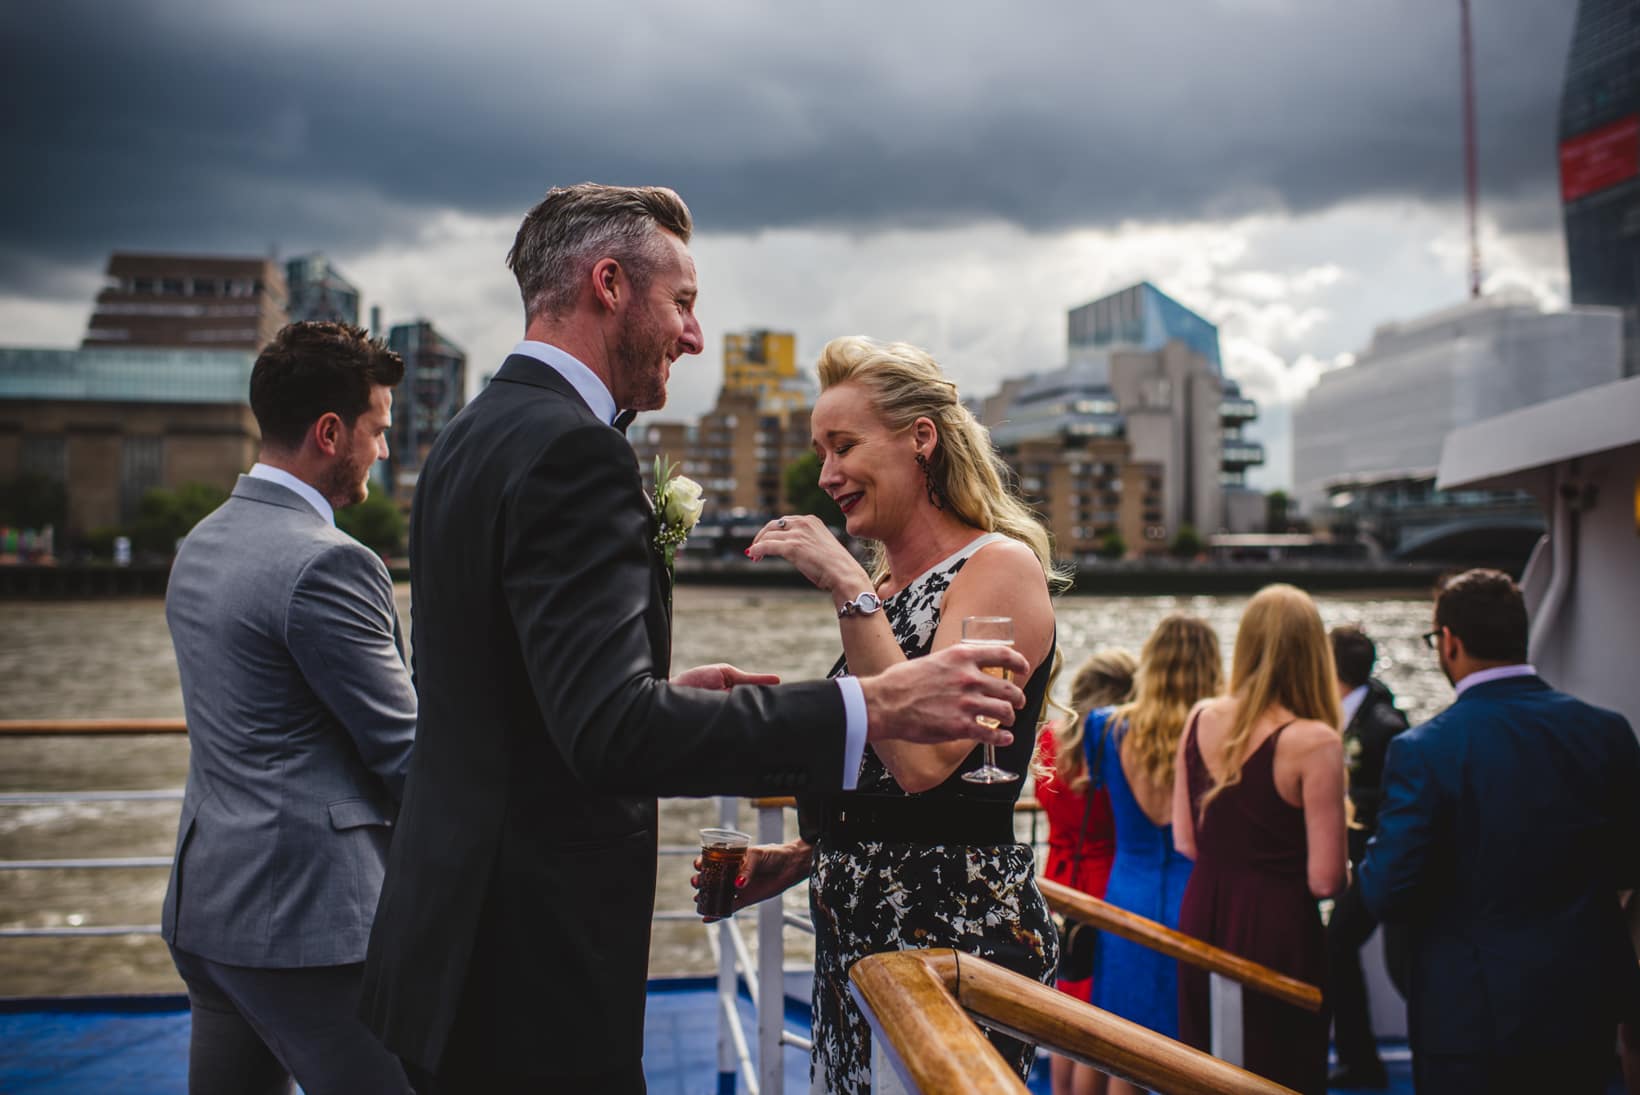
863	605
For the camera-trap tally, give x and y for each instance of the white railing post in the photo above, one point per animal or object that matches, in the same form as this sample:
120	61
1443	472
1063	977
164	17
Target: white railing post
1224	1011
771	969
728	1062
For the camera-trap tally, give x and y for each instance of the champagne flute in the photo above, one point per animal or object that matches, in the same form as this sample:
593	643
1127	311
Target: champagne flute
990	631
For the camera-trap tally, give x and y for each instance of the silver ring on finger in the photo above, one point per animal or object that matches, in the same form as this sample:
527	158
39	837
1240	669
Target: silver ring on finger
781	523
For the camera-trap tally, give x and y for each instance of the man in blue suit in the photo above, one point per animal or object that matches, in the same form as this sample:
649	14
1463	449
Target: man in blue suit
1508	824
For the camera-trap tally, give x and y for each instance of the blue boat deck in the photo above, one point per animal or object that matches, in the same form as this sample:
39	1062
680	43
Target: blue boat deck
138	1045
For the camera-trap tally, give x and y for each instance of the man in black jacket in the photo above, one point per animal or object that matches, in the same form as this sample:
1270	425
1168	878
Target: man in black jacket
510	948
1371	719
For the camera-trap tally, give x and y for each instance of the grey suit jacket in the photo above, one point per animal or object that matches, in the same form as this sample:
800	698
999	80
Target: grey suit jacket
300	717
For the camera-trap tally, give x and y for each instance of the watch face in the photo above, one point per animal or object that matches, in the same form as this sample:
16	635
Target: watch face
868	602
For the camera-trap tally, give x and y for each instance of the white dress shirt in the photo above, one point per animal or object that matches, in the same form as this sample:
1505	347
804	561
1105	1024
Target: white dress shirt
1351	703
1496	673
285	479
591	388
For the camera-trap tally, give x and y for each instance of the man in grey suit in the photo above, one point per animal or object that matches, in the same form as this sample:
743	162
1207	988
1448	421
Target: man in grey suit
300	716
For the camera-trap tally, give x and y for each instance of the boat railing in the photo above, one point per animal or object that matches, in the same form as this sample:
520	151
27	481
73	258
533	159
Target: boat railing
1228	975
920	1003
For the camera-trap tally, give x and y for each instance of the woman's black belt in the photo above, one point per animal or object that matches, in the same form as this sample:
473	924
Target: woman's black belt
856	819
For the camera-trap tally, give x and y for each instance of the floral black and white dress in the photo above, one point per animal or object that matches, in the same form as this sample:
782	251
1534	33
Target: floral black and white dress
870	896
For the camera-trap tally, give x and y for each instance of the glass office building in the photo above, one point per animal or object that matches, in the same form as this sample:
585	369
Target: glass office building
1600	162
1140	317
317	291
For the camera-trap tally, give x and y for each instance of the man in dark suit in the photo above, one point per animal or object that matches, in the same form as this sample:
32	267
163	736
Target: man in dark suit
510	951
1508	824
300	721
1371	719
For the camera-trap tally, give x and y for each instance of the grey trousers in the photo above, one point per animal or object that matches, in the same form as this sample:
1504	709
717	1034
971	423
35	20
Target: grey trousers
254	1030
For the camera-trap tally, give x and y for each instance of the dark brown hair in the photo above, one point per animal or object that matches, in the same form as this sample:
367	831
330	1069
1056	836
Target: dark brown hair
1353	654
1485	609
313	369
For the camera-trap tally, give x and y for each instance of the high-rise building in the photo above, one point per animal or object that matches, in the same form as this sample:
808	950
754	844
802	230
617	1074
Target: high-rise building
1600	163
189	302
1140	317
1139	435
318	291
434	388
764	364
1367	438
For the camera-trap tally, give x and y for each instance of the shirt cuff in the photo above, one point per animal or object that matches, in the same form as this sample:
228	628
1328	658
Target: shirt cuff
854	741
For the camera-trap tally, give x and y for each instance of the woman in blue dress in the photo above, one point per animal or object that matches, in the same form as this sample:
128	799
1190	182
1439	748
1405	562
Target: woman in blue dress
1132	749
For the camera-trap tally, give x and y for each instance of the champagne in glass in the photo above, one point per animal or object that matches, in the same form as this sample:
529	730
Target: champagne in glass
990	631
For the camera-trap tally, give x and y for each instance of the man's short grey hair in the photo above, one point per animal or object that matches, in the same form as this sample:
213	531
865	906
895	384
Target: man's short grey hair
574	227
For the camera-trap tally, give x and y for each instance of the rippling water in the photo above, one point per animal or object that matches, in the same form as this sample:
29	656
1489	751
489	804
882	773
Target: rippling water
113	659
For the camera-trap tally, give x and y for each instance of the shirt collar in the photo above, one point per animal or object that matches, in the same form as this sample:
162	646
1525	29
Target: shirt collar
1496	673
1351	703
300	486
586	383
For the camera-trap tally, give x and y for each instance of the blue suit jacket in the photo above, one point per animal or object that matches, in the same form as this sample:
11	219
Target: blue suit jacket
1508	824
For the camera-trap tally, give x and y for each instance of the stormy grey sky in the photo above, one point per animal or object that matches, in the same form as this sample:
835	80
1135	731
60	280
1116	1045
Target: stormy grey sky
957	176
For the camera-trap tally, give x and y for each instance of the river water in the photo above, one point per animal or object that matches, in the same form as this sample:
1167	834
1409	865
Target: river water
87	659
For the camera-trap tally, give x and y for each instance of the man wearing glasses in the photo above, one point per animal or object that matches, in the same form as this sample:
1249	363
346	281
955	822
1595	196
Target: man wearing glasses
1508	825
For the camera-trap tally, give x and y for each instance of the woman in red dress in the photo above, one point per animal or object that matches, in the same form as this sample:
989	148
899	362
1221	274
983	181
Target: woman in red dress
1081	833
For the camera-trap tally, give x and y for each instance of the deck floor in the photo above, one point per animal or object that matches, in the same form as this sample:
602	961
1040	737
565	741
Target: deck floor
89	1048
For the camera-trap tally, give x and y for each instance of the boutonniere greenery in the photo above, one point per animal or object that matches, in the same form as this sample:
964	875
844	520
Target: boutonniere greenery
677	507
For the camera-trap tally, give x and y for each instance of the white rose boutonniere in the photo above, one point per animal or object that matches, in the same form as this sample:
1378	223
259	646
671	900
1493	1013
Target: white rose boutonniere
678	504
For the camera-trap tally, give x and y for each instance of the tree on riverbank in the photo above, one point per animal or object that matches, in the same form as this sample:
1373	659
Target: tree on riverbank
166	516
802	482
376	523
32	501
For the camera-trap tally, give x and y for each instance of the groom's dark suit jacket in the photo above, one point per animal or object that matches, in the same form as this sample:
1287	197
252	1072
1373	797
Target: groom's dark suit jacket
513	930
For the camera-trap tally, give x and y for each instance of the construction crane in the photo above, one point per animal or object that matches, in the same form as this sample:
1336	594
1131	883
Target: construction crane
1471	184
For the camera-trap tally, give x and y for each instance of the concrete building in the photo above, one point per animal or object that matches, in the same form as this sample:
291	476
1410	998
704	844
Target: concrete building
1600	163
763	364
434	388
1142	407
1367	439
110	425
318	291
737	452
190	302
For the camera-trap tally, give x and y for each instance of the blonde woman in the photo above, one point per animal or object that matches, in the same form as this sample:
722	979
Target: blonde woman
1179	666
916	856
1081	832
1259	805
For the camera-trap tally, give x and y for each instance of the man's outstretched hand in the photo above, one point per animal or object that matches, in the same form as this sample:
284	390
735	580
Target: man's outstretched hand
941	697
719	677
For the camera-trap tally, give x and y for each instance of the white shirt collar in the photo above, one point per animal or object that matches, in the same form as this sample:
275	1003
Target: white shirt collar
1351	703
586	383
1496	673
301	487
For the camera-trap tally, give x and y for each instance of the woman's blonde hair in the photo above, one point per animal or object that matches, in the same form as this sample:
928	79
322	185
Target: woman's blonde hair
1179	665
1104	679
1282	656
903	384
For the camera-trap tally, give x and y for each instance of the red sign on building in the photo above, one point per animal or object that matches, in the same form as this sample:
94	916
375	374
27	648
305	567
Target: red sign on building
1600	158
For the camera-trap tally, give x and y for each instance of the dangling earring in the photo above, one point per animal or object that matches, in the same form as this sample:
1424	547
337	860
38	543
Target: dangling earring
935	495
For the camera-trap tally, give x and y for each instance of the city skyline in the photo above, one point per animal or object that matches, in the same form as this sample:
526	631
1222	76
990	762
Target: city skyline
1295	175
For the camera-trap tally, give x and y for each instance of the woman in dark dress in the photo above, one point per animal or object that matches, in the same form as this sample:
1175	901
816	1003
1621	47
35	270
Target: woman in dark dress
915	857
1259	805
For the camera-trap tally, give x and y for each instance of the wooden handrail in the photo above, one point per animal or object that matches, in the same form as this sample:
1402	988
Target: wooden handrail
1022	806
1077	905
70	727
915	1001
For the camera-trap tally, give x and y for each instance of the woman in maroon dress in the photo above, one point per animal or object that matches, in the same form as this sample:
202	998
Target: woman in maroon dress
1081	833
1259	805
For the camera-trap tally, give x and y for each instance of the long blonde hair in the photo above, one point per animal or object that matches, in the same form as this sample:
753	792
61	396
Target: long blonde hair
903	384
1282	656
1105	678
1180	664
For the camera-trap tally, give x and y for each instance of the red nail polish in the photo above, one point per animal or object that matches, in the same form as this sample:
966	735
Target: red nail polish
748	553
741	881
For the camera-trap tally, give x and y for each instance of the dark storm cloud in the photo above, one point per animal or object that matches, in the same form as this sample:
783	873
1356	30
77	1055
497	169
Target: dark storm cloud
198	124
